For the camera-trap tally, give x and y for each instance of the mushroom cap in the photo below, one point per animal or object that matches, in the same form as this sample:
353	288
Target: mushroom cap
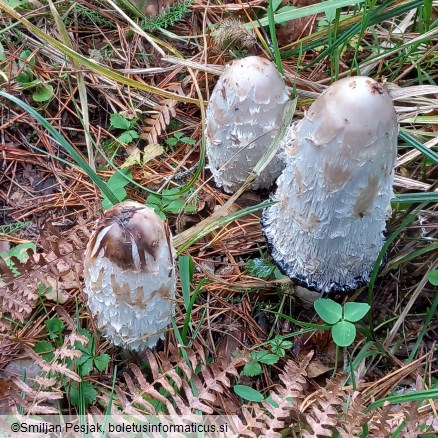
243	115
333	198
129	275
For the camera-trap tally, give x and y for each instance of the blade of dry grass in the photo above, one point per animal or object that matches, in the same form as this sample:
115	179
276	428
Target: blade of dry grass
411	302
91	64
211	223
65	38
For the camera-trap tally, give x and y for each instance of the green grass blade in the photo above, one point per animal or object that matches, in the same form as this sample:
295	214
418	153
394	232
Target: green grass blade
419	146
273	34
431	313
284	17
408	219
301	323
414	255
92	65
417	396
415	198
348	28
71	151
208	228
375	17
189	308
185	274
82	89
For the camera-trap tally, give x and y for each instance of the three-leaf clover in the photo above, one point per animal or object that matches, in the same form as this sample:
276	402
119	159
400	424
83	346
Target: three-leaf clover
341	318
179	137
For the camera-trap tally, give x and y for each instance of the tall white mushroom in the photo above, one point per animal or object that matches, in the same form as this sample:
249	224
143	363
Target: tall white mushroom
129	276
327	228
243	115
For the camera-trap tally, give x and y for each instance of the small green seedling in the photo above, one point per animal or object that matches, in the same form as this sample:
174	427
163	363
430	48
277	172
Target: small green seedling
254	367
179	137
341	318
55	327
119	122
278	350
262	268
42	92
170	202
279	346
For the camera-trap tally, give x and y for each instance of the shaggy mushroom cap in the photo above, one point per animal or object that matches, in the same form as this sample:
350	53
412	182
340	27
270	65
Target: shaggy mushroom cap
130	276
243	115
333	198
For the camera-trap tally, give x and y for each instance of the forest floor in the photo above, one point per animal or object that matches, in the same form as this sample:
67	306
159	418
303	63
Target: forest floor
94	92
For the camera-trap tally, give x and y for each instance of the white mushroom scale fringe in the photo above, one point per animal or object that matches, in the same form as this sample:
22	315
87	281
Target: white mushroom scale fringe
243	115
130	277
333	198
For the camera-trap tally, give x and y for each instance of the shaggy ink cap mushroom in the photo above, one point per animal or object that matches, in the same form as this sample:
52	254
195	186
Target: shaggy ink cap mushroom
333	198
242	119
129	276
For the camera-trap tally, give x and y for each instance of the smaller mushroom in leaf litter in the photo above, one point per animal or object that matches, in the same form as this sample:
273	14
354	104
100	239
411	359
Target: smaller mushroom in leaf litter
129	274
333	198
243	115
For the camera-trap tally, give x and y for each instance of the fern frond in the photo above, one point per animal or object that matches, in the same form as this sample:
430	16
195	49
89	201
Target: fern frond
173	383
254	420
272	416
354	417
168	16
382	422
324	413
412	422
158	122
34	399
58	267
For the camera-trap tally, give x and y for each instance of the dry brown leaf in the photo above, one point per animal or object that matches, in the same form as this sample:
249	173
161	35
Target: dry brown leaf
316	368
299	28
